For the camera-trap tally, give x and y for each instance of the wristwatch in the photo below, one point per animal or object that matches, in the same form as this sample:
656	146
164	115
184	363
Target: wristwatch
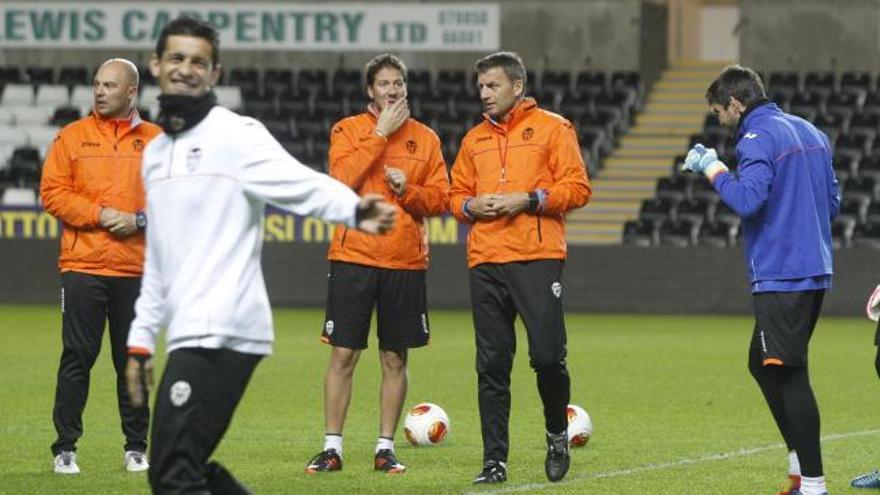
140	219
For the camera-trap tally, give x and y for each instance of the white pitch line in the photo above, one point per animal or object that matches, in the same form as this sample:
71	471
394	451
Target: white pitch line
666	465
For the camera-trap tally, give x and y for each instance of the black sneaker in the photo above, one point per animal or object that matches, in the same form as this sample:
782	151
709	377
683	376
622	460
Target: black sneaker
326	461
493	472
385	460
558	458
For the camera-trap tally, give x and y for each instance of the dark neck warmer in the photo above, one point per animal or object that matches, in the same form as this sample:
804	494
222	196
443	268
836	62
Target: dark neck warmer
179	113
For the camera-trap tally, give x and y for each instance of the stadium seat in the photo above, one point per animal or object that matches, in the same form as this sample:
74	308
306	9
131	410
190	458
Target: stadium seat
278	127
40	75
229	97
590	83
320	154
724	214
356	103
820	82
842	229
277	81
260	107
856	80
247	79
872	215
467	106
24	166
867	235
703	189
675	188
149	99
16	95
558	81
784	81
429	108
855	145
639	233
855	208
657	210
717	235
870	167
418	83
19	196
576	107
310	81
83	97
845	166
346	82
41	136
678	233
52	95
696	211
10	75
844	104
450	82
31	116
862	187
866	124
73	76
12	135
295	148
64	115
781	97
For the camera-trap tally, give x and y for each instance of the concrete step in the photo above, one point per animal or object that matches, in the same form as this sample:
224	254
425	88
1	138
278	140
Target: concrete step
652	142
608	205
678	97
664	131
618	217
612	162
687	108
664	153
629	174
622	195
706	75
680	85
670	119
629	183
593	227
594	239
692	64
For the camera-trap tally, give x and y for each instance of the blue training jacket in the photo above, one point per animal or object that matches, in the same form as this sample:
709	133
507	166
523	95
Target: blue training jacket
785	192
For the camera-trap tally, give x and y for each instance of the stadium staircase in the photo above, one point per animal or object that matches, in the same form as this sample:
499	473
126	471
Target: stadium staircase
675	109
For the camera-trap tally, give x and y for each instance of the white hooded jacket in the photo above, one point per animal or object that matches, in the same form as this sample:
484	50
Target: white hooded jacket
206	190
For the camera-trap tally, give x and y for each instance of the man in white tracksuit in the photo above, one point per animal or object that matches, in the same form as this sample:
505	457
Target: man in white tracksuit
208	179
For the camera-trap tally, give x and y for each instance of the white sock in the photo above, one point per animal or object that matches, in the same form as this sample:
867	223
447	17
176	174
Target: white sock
385	443
813	486
333	441
794	466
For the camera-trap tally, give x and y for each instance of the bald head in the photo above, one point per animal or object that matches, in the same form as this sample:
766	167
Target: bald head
115	85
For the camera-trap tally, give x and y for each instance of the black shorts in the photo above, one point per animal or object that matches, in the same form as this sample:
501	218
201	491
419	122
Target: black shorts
784	324
400	297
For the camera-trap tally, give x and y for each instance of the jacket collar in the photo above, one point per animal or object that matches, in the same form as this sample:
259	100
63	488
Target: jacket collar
517	114
761	107
125	124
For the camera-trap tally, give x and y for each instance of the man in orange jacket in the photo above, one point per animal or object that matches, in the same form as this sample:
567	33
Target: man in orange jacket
92	183
380	151
516	175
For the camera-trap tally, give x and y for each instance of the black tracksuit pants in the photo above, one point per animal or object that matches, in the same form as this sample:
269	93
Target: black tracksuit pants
196	399
87	302
500	292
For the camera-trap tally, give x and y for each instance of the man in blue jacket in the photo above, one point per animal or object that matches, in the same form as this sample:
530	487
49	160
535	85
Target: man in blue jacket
787	195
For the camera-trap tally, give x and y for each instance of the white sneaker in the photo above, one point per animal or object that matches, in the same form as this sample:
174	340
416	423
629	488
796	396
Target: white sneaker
65	463
135	462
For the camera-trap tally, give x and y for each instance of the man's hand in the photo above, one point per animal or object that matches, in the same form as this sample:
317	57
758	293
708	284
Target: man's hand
396	180
392	117
124	226
374	215
873	307
511	204
139	378
703	160
482	207
109	216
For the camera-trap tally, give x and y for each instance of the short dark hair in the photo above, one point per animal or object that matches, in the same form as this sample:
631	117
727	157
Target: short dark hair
510	63
190	26
738	82
379	62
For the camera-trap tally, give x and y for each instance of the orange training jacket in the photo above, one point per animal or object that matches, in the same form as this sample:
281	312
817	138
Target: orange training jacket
534	150
95	163
358	158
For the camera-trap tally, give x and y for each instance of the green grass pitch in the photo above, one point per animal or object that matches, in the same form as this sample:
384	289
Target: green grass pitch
674	409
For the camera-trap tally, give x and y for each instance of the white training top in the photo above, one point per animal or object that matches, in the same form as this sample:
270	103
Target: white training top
206	193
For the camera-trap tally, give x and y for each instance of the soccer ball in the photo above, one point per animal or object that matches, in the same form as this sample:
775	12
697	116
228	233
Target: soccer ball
580	426
426	424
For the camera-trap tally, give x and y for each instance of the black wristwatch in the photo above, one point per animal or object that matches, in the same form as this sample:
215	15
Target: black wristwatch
140	220
534	202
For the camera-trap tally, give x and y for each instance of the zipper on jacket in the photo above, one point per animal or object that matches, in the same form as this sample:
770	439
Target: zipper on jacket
540	237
